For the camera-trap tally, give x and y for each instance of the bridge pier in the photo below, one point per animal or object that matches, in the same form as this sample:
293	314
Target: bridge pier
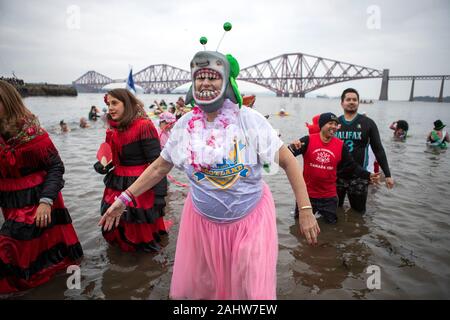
441	92
384	85
411	95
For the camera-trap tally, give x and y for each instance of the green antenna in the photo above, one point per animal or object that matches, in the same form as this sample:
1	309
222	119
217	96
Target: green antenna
227	27
204	41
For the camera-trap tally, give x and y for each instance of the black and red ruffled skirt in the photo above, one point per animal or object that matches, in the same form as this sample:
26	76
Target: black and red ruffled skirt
29	255
141	225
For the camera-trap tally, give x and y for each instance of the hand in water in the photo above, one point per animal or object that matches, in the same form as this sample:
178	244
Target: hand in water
389	183
308	226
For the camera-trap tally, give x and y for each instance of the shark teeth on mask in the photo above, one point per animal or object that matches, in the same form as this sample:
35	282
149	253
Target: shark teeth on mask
207	74
207	95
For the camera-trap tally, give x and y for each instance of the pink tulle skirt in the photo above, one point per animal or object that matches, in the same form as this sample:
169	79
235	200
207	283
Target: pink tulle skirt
227	260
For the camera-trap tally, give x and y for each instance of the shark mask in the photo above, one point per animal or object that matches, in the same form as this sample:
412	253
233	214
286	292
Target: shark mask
213	80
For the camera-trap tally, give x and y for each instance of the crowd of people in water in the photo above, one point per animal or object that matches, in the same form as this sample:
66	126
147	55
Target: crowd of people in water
227	242
158	112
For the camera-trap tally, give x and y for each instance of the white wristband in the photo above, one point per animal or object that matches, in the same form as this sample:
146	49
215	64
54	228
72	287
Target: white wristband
46	201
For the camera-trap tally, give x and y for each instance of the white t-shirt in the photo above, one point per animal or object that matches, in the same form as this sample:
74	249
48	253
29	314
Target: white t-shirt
371	162
229	190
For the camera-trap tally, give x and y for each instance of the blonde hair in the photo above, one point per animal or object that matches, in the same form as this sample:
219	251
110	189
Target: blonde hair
14	109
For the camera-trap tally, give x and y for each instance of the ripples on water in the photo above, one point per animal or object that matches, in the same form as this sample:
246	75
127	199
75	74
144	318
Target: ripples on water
405	230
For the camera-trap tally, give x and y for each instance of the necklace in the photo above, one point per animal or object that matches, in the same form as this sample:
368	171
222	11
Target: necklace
210	143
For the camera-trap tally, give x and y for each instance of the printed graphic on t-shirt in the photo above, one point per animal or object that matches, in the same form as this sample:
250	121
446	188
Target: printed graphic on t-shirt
226	174
322	158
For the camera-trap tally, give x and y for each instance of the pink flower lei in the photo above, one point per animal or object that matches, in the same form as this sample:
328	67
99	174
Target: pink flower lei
209	145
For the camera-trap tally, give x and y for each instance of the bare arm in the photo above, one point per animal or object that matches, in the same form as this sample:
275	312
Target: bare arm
393	125
151	176
308	224
295	176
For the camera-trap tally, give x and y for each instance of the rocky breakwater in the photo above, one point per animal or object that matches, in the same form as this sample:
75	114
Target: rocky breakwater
44	89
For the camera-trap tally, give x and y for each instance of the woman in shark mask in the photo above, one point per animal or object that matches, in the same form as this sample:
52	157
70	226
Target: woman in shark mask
227	244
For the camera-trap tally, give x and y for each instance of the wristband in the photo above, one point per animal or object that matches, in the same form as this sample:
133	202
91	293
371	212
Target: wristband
46	201
126	200
131	196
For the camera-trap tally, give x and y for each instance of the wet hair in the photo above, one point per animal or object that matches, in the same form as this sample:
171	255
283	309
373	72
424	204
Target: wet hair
133	107
402	124
349	90
14	109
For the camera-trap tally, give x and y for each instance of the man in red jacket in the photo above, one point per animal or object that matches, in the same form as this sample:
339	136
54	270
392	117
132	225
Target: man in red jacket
323	155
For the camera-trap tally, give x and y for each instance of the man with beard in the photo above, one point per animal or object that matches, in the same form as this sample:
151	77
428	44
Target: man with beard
358	133
324	155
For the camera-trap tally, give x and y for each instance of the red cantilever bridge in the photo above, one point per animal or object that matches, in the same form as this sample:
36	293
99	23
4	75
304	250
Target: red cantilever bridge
293	74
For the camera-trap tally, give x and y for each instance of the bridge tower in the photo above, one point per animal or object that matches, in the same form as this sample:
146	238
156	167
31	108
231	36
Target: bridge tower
384	85
411	94
441	92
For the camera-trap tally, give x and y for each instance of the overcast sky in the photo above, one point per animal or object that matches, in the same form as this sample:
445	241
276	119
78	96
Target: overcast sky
48	41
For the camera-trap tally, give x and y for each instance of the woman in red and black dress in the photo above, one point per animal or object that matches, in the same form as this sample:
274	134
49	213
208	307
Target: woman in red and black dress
135	145
37	238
